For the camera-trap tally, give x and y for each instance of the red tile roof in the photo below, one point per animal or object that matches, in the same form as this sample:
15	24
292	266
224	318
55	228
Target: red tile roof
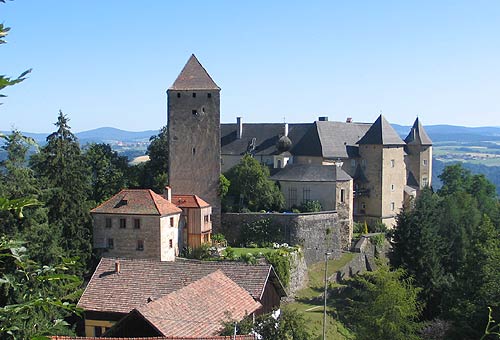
228	337
194	77
140	280
200	308
137	202
189	201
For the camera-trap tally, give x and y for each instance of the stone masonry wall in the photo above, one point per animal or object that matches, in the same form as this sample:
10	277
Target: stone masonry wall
316	233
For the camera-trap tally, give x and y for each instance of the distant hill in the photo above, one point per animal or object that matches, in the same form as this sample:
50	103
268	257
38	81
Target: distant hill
100	135
454	133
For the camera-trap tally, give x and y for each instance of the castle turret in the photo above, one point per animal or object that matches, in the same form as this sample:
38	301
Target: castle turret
194	135
419	156
382	160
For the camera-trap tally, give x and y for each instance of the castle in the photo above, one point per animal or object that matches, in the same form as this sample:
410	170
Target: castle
386	171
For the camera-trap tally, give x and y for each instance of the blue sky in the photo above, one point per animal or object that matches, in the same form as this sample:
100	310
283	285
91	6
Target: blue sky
108	63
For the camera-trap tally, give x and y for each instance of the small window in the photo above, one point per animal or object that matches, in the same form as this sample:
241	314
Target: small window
306	195
140	245
137	223
194	95
425	162
108	222
194	151
209	95
342	195
171	221
194	112
111	243
392	187
425	181
392	163
97	331
123	223
207	218
393	206
178	94
171	243
363	205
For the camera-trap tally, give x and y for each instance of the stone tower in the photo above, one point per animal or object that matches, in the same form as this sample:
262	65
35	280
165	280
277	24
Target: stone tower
194	135
382	157
419	156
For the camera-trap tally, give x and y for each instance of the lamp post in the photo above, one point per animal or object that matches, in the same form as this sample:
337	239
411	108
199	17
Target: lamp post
325	293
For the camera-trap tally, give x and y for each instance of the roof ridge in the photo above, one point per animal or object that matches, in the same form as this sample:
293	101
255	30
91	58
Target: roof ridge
194	76
100	205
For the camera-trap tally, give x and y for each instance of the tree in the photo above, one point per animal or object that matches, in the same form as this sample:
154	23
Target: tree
383	305
251	186
417	247
107	169
65	176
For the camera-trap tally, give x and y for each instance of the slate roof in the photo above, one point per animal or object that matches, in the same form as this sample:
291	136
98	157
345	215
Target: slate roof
311	173
418	135
140	280
338	139
189	201
137	202
381	133
266	137
412	181
215	337
200	308
194	77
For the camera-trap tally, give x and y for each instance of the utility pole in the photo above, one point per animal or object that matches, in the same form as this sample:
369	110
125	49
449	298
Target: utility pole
325	294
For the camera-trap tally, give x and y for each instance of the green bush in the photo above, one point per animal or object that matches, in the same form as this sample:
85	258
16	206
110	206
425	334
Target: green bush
311	206
377	240
229	253
378	227
248	258
218	238
280	260
358	227
260	233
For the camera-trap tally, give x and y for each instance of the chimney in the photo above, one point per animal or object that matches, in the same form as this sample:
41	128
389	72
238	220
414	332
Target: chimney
348	120
117	267
167	194
286	130
239	128
323	119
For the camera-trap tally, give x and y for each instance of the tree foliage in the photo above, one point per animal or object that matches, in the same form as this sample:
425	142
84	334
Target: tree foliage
251	187
383	305
65	176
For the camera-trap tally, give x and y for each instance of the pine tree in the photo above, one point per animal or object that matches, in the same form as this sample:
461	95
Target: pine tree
62	168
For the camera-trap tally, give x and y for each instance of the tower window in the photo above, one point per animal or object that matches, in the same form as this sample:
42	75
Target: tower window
392	163
393	206
209	95
342	195
194	95
425	181
140	245
123	223
392	187
194	151
170	243
425	162
178	94
194	112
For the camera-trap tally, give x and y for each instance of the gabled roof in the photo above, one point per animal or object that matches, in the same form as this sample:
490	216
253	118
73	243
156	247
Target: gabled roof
189	201
137	202
338	139
140	280
418	135
381	133
311	173
200	308
194	77
266	137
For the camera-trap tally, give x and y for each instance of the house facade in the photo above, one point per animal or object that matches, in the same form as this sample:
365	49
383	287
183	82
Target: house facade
195	224
137	223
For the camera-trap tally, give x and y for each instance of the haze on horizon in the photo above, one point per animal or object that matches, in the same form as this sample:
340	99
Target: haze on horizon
109	63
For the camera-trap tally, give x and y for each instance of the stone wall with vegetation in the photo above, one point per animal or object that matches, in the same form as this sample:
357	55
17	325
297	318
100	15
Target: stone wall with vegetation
315	233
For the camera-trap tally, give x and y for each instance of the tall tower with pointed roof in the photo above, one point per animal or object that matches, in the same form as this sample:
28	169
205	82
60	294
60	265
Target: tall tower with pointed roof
194	135
382	159
419	157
